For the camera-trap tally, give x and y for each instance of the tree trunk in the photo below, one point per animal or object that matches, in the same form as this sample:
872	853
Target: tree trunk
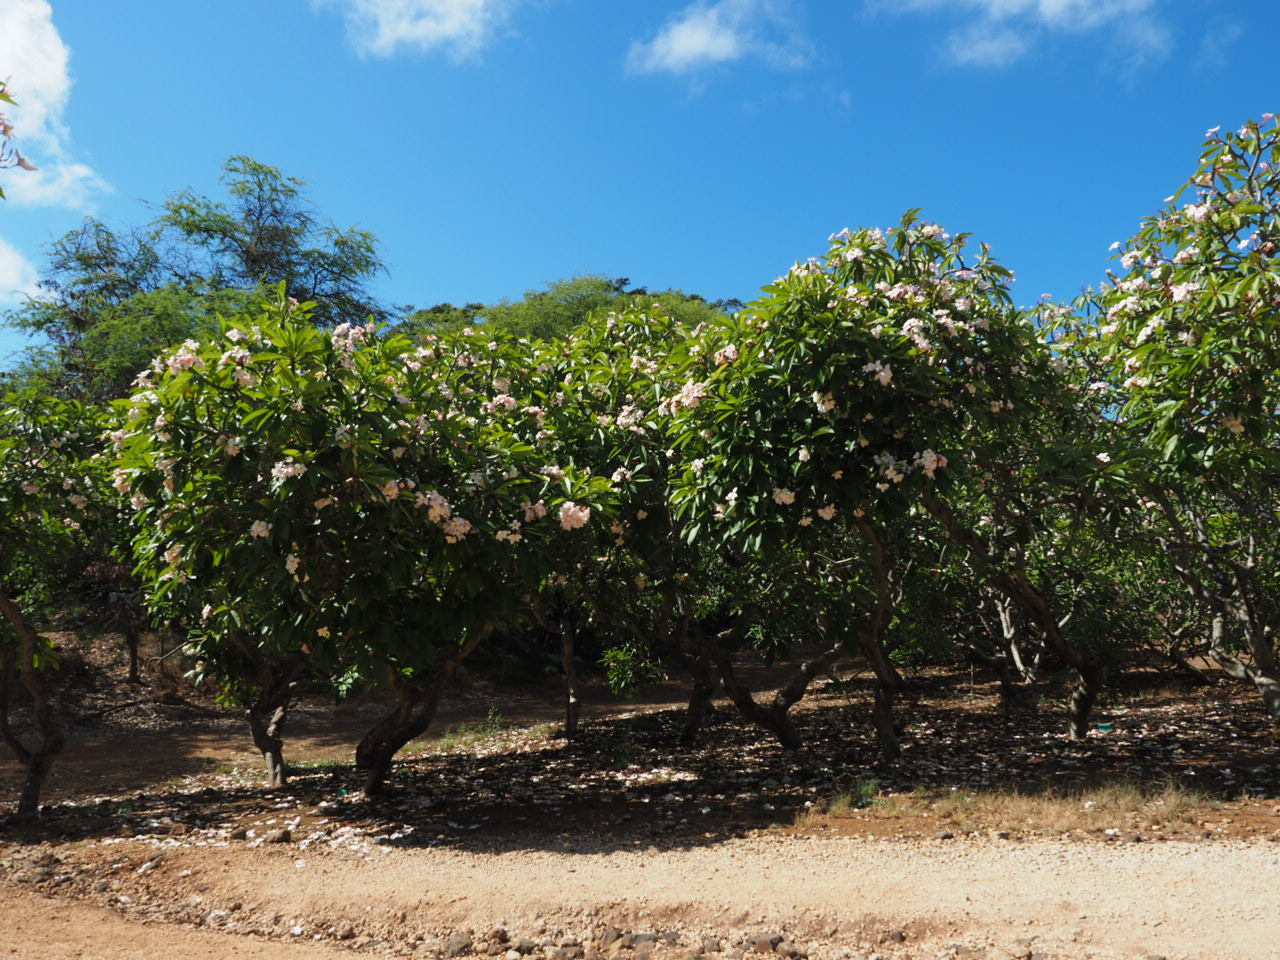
415	709
1083	698
882	720
572	706
268	712
131	645
266	718
700	707
564	629
1013	695
1015	585
774	716
1262	672
22	662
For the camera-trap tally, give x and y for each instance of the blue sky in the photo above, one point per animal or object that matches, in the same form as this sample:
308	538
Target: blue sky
495	145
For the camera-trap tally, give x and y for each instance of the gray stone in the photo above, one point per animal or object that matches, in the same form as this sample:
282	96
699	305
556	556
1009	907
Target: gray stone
711	945
609	937
764	942
283	835
457	944
524	945
793	950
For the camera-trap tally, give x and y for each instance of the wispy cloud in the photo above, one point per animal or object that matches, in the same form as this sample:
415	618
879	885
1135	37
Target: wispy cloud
37	61
707	34
459	28
17	275
1004	31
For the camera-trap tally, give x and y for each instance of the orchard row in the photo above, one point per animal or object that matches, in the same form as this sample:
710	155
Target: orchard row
881	456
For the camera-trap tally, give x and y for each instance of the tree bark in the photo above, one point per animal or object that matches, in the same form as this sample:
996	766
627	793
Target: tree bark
563	627
572	705
130	631
267	714
21	661
882	720
700	707
415	709
1015	585
774	716
1264	676
266	718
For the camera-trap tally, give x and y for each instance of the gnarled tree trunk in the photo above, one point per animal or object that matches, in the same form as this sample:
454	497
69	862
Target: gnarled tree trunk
416	706
21	661
277	678
1015	585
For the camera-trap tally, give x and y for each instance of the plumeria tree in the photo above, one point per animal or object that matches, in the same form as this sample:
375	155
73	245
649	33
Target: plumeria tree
892	375
338	503
1188	337
51	500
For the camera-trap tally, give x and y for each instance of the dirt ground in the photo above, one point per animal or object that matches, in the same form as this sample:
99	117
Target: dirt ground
501	839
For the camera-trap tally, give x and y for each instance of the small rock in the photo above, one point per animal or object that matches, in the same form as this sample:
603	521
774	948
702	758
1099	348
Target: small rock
638	939
283	835
897	935
525	945
793	950
346	932
497	935
609	937
764	942
944	835
239	833
670	937
457	944
711	945
1000	834
512	955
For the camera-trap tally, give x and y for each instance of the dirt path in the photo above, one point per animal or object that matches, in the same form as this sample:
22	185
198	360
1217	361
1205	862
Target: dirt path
614	850
832	897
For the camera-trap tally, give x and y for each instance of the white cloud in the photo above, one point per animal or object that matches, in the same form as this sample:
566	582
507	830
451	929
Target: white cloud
987	44
706	34
36	61
1006	30
380	28
17	275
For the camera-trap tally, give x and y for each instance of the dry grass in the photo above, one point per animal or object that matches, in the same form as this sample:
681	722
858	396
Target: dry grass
1116	806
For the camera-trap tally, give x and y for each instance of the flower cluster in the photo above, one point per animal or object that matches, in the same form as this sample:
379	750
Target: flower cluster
574	515
288	468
